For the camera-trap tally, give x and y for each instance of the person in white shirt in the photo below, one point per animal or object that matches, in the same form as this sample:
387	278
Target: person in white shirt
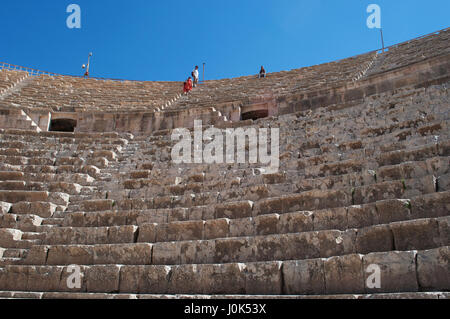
195	75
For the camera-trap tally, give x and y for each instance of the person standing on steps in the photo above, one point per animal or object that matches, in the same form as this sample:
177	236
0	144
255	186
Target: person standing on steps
262	72
195	75
187	86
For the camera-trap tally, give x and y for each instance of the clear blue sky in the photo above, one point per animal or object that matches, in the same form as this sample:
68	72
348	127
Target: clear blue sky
163	40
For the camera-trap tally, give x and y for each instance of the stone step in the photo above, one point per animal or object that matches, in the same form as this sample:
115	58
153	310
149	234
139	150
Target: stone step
64	187
135	212
65	170
185	246
15	253
31	196
267	196
407	271
377	214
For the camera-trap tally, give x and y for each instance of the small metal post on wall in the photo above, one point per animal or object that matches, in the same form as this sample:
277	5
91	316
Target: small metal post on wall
204	72
86	74
382	39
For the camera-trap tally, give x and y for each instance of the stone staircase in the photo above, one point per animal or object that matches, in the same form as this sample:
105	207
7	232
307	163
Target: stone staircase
17	119
357	186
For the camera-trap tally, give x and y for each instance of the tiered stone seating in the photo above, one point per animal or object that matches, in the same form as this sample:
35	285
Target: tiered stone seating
41	175
412	51
360	185
244	89
9	79
69	94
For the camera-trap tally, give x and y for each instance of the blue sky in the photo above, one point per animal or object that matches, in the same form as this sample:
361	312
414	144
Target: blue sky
163	40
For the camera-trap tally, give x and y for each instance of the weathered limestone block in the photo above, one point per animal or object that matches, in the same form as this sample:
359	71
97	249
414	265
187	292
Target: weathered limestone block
74	220
444	148
23	196
178	214
398	271
269	206
70	255
299	246
229	250
234	210
296	222
14	278
390	173
201	213
197	252
374	239
82	179
242	227
443	183
207	279
29	222
9	235
110	155
179	231
185	279
316	200
11	176
42	209
433	269
263	278
122	234
37	255
438	166
377	192
444	230
217	228
272	247
100	162
393	210
431	205
44	278
344	275
157	216
336	243
8	221
419	186
80	236
304	277
417	234
147	233
4	208
334	218
69	188
140	174
267	224
166	253
59	198
145	279
124	254
97	205
103	278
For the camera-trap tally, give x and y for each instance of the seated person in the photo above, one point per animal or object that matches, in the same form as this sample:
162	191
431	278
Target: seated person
262	73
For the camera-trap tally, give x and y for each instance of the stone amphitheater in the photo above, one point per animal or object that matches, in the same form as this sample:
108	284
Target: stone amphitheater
86	179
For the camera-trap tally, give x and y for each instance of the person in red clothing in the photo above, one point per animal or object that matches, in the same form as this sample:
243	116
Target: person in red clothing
187	86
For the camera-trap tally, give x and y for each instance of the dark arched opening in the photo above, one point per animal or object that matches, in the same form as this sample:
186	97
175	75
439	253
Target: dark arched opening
63	125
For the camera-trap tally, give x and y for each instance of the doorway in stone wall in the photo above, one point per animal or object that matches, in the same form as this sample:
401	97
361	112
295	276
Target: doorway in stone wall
62	125
254	115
